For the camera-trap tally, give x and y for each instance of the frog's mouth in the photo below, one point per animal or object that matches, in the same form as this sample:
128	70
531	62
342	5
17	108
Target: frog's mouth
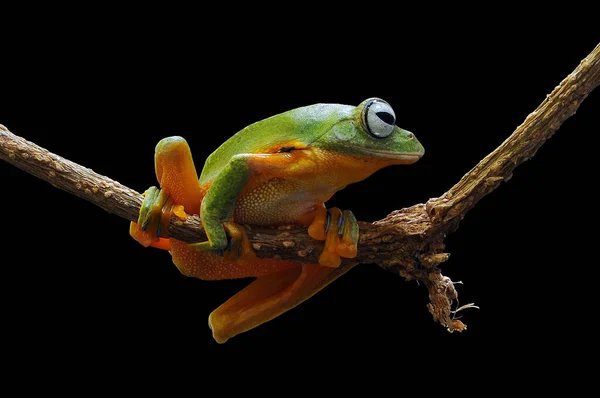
403	157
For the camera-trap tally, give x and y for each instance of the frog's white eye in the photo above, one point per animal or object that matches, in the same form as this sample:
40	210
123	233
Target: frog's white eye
379	118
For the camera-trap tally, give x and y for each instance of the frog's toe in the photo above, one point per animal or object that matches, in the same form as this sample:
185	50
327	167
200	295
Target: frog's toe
239	247
330	256
347	251
317	228
348	232
235	238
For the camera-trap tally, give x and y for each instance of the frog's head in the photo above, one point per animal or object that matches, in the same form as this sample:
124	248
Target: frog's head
370	130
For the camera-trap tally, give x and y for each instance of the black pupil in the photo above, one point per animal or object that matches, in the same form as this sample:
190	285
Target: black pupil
386	117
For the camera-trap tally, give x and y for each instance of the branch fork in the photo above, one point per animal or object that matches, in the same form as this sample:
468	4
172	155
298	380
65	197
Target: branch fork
409	242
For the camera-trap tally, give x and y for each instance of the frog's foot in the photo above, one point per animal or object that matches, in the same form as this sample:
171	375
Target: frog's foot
339	230
153	220
271	295
236	247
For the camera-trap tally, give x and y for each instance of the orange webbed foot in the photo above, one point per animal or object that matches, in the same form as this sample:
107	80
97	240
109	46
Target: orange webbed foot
154	218
239	247
339	229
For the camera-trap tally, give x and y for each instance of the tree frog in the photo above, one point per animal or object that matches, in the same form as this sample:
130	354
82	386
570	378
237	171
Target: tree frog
278	171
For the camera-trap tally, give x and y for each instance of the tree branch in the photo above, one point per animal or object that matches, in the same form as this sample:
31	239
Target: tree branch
408	241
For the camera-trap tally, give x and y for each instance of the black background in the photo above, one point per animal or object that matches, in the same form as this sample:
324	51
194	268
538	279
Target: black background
74	282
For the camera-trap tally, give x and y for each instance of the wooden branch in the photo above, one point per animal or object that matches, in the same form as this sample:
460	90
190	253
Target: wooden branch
408	241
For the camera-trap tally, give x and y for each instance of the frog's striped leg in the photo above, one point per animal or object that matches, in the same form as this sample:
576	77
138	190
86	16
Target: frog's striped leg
179	193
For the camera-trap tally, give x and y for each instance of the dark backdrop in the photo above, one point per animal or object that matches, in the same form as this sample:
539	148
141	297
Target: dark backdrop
73	279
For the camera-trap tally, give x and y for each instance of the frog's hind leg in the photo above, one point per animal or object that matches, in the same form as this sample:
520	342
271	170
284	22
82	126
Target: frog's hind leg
176	173
269	296
179	194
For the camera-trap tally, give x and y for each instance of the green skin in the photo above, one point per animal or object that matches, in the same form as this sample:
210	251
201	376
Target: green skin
332	127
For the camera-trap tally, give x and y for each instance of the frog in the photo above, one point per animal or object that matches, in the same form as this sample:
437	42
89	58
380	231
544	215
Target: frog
276	172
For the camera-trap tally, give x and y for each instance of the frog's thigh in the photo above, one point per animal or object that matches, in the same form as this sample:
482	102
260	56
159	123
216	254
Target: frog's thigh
176	173
270	296
209	266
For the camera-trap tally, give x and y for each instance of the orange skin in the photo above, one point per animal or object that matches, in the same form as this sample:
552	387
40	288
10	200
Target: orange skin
282	190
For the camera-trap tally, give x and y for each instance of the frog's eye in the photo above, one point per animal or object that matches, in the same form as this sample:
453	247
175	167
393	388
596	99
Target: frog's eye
379	118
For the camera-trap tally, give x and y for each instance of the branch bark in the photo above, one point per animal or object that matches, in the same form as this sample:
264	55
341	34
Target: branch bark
408	241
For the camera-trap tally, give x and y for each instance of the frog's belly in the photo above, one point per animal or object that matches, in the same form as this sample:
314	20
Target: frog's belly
278	202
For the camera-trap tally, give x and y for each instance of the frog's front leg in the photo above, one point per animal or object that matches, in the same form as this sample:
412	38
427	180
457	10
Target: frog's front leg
224	235
216	211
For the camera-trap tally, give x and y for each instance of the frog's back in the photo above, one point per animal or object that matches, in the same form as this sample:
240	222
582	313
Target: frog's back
302	125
